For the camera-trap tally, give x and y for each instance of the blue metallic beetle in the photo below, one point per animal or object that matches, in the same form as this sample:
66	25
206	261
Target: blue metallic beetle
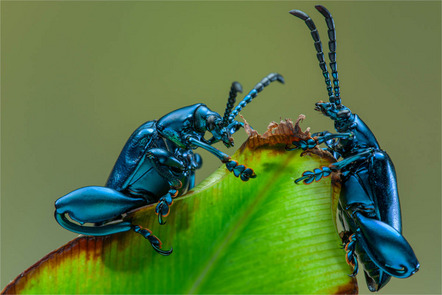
157	164
368	208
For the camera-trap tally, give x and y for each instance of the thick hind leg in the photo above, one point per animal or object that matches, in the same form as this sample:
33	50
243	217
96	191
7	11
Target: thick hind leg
95	204
385	246
377	241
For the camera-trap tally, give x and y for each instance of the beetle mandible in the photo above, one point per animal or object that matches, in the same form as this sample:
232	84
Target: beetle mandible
157	164
368	208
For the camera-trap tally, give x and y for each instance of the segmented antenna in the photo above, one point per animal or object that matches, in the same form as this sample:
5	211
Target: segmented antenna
254	92
332	46
318	46
234	89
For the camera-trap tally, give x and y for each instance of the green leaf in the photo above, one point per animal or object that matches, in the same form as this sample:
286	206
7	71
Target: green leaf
264	236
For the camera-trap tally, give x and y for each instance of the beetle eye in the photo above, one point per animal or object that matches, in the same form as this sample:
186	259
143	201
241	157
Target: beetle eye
210	123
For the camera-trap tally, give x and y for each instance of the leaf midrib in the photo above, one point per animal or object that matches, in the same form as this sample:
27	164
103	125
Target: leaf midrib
236	227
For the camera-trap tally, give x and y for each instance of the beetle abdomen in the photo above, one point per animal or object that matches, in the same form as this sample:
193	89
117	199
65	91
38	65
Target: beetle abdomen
382	179
129	158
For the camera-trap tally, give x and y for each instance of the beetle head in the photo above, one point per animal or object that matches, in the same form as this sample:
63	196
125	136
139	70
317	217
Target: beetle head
342	115
220	132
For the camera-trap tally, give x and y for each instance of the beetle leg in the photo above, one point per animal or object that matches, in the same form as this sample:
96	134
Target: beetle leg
330	143
385	246
302	144
162	209
380	247
214	151
164	161
317	139
315	175
191	180
329	136
318	173
347	161
154	241
240	171
350	256
96	204
195	163
99	205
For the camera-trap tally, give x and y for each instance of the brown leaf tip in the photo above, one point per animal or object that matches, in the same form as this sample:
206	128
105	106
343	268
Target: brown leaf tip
248	129
92	246
349	289
284	133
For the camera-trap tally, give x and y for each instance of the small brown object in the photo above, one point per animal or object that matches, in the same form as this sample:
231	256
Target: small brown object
284	133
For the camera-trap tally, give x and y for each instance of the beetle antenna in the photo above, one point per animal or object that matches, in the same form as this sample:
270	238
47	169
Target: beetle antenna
234	89
332	53
318	46
254	92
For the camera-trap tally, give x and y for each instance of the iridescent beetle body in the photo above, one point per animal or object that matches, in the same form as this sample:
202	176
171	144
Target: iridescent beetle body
156	164
368	208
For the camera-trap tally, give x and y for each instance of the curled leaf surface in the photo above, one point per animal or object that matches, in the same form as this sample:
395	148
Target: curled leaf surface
264	236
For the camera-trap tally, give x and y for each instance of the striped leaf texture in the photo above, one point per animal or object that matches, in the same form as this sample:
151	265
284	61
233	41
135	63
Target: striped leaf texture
264	236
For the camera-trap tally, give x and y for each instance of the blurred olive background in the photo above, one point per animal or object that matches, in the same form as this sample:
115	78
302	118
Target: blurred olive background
79	77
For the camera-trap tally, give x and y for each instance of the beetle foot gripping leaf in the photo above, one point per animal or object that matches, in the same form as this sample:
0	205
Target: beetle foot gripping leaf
315	175
219	230
350	257
162	209
154	241
240	171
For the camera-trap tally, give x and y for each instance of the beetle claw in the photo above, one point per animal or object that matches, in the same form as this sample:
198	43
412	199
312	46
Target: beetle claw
156	245
161	221
154	241
162	252
162	210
